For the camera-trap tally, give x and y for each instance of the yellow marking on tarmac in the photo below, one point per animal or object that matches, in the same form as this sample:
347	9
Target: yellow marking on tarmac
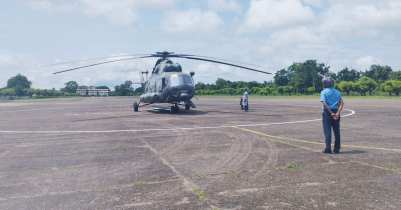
311	142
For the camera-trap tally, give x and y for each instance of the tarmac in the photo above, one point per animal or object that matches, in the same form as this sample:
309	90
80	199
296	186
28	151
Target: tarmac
97	153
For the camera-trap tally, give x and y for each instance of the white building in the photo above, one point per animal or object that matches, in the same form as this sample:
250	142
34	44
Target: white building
93	92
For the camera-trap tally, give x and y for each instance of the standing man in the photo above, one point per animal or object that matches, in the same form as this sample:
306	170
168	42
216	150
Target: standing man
245	100
332	105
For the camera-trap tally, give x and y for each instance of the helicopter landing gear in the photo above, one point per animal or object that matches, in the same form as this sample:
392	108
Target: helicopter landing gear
187	106
175	109
135	106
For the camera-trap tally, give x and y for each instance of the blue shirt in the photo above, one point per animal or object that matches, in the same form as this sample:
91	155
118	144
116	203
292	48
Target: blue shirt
331	96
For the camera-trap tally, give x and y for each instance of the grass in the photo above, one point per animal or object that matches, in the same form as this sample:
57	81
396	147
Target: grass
291	166
392	169
200	193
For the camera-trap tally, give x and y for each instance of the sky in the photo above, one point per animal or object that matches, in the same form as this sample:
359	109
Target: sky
270	33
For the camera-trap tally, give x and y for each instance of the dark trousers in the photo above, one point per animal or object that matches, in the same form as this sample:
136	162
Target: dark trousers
246	108
328	123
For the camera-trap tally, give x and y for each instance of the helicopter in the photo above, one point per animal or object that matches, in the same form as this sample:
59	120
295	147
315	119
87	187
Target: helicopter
168	83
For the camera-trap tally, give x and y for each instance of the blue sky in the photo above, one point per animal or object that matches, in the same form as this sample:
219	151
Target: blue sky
270	33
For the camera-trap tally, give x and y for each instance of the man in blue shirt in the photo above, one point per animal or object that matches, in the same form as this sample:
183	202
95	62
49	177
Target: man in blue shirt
332	105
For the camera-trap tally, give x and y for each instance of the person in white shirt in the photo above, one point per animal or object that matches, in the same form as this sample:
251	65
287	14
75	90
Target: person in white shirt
245	100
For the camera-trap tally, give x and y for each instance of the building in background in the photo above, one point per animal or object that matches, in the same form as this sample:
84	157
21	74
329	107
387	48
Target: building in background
92	91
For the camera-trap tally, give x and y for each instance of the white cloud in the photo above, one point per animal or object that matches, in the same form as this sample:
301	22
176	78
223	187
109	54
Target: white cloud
298	35
315	3
121	12
193	21
367	19
42	77
366	62
274	14
221	5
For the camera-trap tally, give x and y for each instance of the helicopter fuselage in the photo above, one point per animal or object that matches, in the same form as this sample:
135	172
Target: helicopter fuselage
168	84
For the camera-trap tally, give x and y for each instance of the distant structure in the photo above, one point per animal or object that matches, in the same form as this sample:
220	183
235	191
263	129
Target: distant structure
92	91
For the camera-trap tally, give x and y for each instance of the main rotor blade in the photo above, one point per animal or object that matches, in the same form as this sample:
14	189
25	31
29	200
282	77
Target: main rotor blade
180	55
100	64
229	64
90	59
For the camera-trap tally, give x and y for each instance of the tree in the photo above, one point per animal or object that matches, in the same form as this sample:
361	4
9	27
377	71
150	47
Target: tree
200	86
19	81
280	89
281	78
254	90
288	89
345	86
7	92
379	73
308	74
222	83
391	86
348	75
387	86
356	87
311	90
367	84
395	75
70	87
103	87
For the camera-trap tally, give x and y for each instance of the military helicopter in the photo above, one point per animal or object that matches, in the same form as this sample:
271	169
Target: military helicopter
167	83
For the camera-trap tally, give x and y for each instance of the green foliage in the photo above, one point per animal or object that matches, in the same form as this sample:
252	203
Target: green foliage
70	87
348	75
391	86
311	90
200	193
367	84
345	86
7	92
281	78
396	75
291	166
19	81
379	73
280	89
288	89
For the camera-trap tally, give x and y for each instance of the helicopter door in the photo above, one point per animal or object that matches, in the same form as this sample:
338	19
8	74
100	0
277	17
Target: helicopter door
163	83
160	85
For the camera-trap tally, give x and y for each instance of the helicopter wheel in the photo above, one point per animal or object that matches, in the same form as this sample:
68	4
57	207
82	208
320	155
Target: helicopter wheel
135	106
187	106
175	109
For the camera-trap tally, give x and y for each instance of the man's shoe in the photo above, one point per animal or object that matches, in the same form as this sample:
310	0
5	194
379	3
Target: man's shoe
336	151
326	151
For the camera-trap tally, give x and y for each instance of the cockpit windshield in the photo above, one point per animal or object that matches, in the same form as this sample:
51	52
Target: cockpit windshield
185	80
181	80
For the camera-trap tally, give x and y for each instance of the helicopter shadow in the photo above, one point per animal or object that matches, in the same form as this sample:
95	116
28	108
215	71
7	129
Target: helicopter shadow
181	112
103	118
247	113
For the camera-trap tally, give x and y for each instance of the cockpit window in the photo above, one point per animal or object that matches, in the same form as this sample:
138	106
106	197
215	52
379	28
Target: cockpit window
185	80
181	80
174	80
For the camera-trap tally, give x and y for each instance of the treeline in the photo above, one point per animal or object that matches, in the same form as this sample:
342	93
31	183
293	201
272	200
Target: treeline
126	89
305	78
20	86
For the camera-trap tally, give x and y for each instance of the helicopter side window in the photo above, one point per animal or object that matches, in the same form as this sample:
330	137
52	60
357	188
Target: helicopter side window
174	80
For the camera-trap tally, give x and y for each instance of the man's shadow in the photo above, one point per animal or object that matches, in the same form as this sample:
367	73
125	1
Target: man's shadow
353	152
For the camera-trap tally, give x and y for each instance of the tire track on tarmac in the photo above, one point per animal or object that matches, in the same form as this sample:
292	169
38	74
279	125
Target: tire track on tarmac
190	187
